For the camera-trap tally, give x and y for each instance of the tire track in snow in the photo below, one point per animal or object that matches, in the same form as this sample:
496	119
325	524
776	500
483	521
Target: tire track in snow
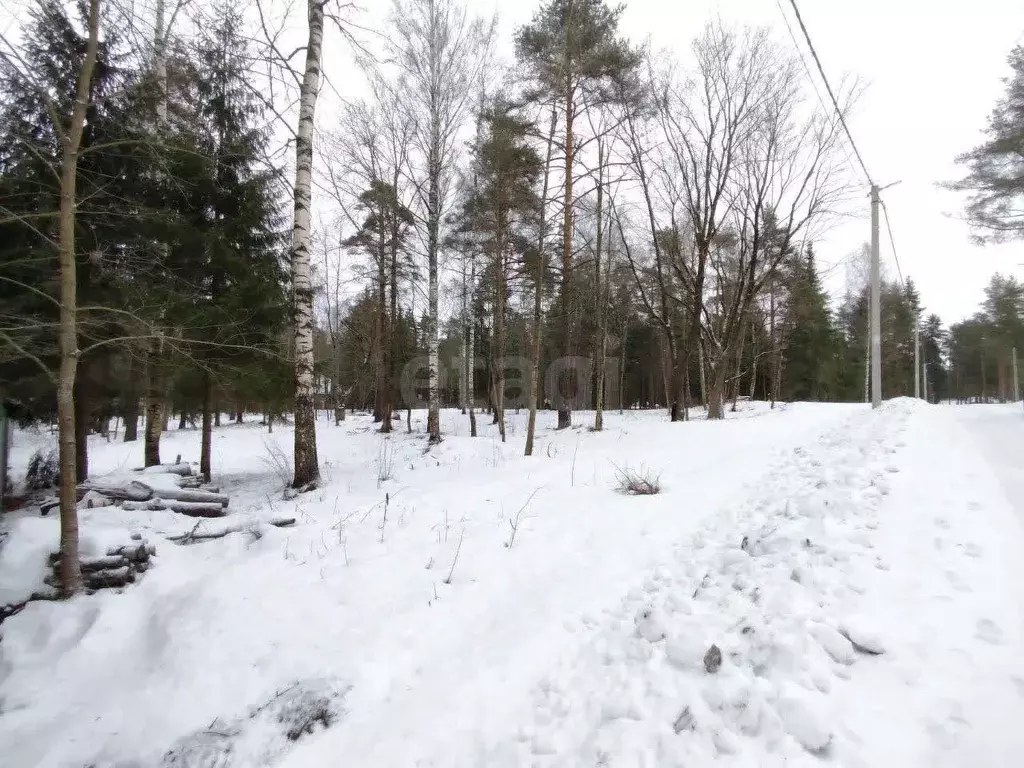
770	585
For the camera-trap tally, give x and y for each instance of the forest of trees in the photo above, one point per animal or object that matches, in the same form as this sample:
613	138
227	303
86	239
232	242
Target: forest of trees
597	226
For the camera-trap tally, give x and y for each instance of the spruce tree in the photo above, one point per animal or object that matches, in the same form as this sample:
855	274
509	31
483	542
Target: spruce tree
230	249
809	360
935	374
108	226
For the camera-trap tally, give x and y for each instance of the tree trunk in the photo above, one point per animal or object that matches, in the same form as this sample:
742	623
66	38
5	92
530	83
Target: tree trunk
464	393
207	439
433	234
307	466
154	409
499	335
538	294
131	422
601	336
716	396
471	369
739	367
754	354
70	566
677	410
390	323
702	372
339	395
622	367
378	337
565	293
130	406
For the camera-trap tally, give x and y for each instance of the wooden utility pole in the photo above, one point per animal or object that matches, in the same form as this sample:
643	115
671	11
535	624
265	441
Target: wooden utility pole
876	305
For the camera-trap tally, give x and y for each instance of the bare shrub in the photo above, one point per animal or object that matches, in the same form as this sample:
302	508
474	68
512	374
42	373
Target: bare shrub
385	462
277	461
637	482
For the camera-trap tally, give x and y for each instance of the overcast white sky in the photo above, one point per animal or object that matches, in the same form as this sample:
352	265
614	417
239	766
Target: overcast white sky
932	70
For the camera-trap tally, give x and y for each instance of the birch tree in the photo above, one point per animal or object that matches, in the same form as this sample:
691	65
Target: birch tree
440	51
307	466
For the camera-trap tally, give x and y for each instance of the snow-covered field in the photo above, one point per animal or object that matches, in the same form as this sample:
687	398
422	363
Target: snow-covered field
468	606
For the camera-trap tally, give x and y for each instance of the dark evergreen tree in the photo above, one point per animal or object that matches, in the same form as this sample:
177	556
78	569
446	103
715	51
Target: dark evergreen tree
995	168
230	248
109	217
809	369
935	374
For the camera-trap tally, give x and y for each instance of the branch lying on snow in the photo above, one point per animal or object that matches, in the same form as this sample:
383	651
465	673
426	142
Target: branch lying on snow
196	535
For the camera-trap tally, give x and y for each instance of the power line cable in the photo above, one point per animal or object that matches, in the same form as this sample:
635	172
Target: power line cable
807	69
892	243
831	93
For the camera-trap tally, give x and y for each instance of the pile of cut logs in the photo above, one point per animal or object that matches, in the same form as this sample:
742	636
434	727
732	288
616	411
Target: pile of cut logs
119	567
192	497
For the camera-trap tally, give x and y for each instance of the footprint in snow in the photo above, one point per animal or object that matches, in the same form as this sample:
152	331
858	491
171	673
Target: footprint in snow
956	581
973	550
1018	684
988	631
946	733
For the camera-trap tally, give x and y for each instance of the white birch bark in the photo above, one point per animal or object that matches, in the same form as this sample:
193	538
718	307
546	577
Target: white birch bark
307	468
441	52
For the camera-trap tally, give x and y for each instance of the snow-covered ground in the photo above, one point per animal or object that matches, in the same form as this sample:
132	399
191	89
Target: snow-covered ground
441	640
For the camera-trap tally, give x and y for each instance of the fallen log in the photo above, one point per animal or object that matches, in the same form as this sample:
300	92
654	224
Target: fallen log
138	553
48	505
131	490
104	563
116	577
94	500
193	494
184	470
190	508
